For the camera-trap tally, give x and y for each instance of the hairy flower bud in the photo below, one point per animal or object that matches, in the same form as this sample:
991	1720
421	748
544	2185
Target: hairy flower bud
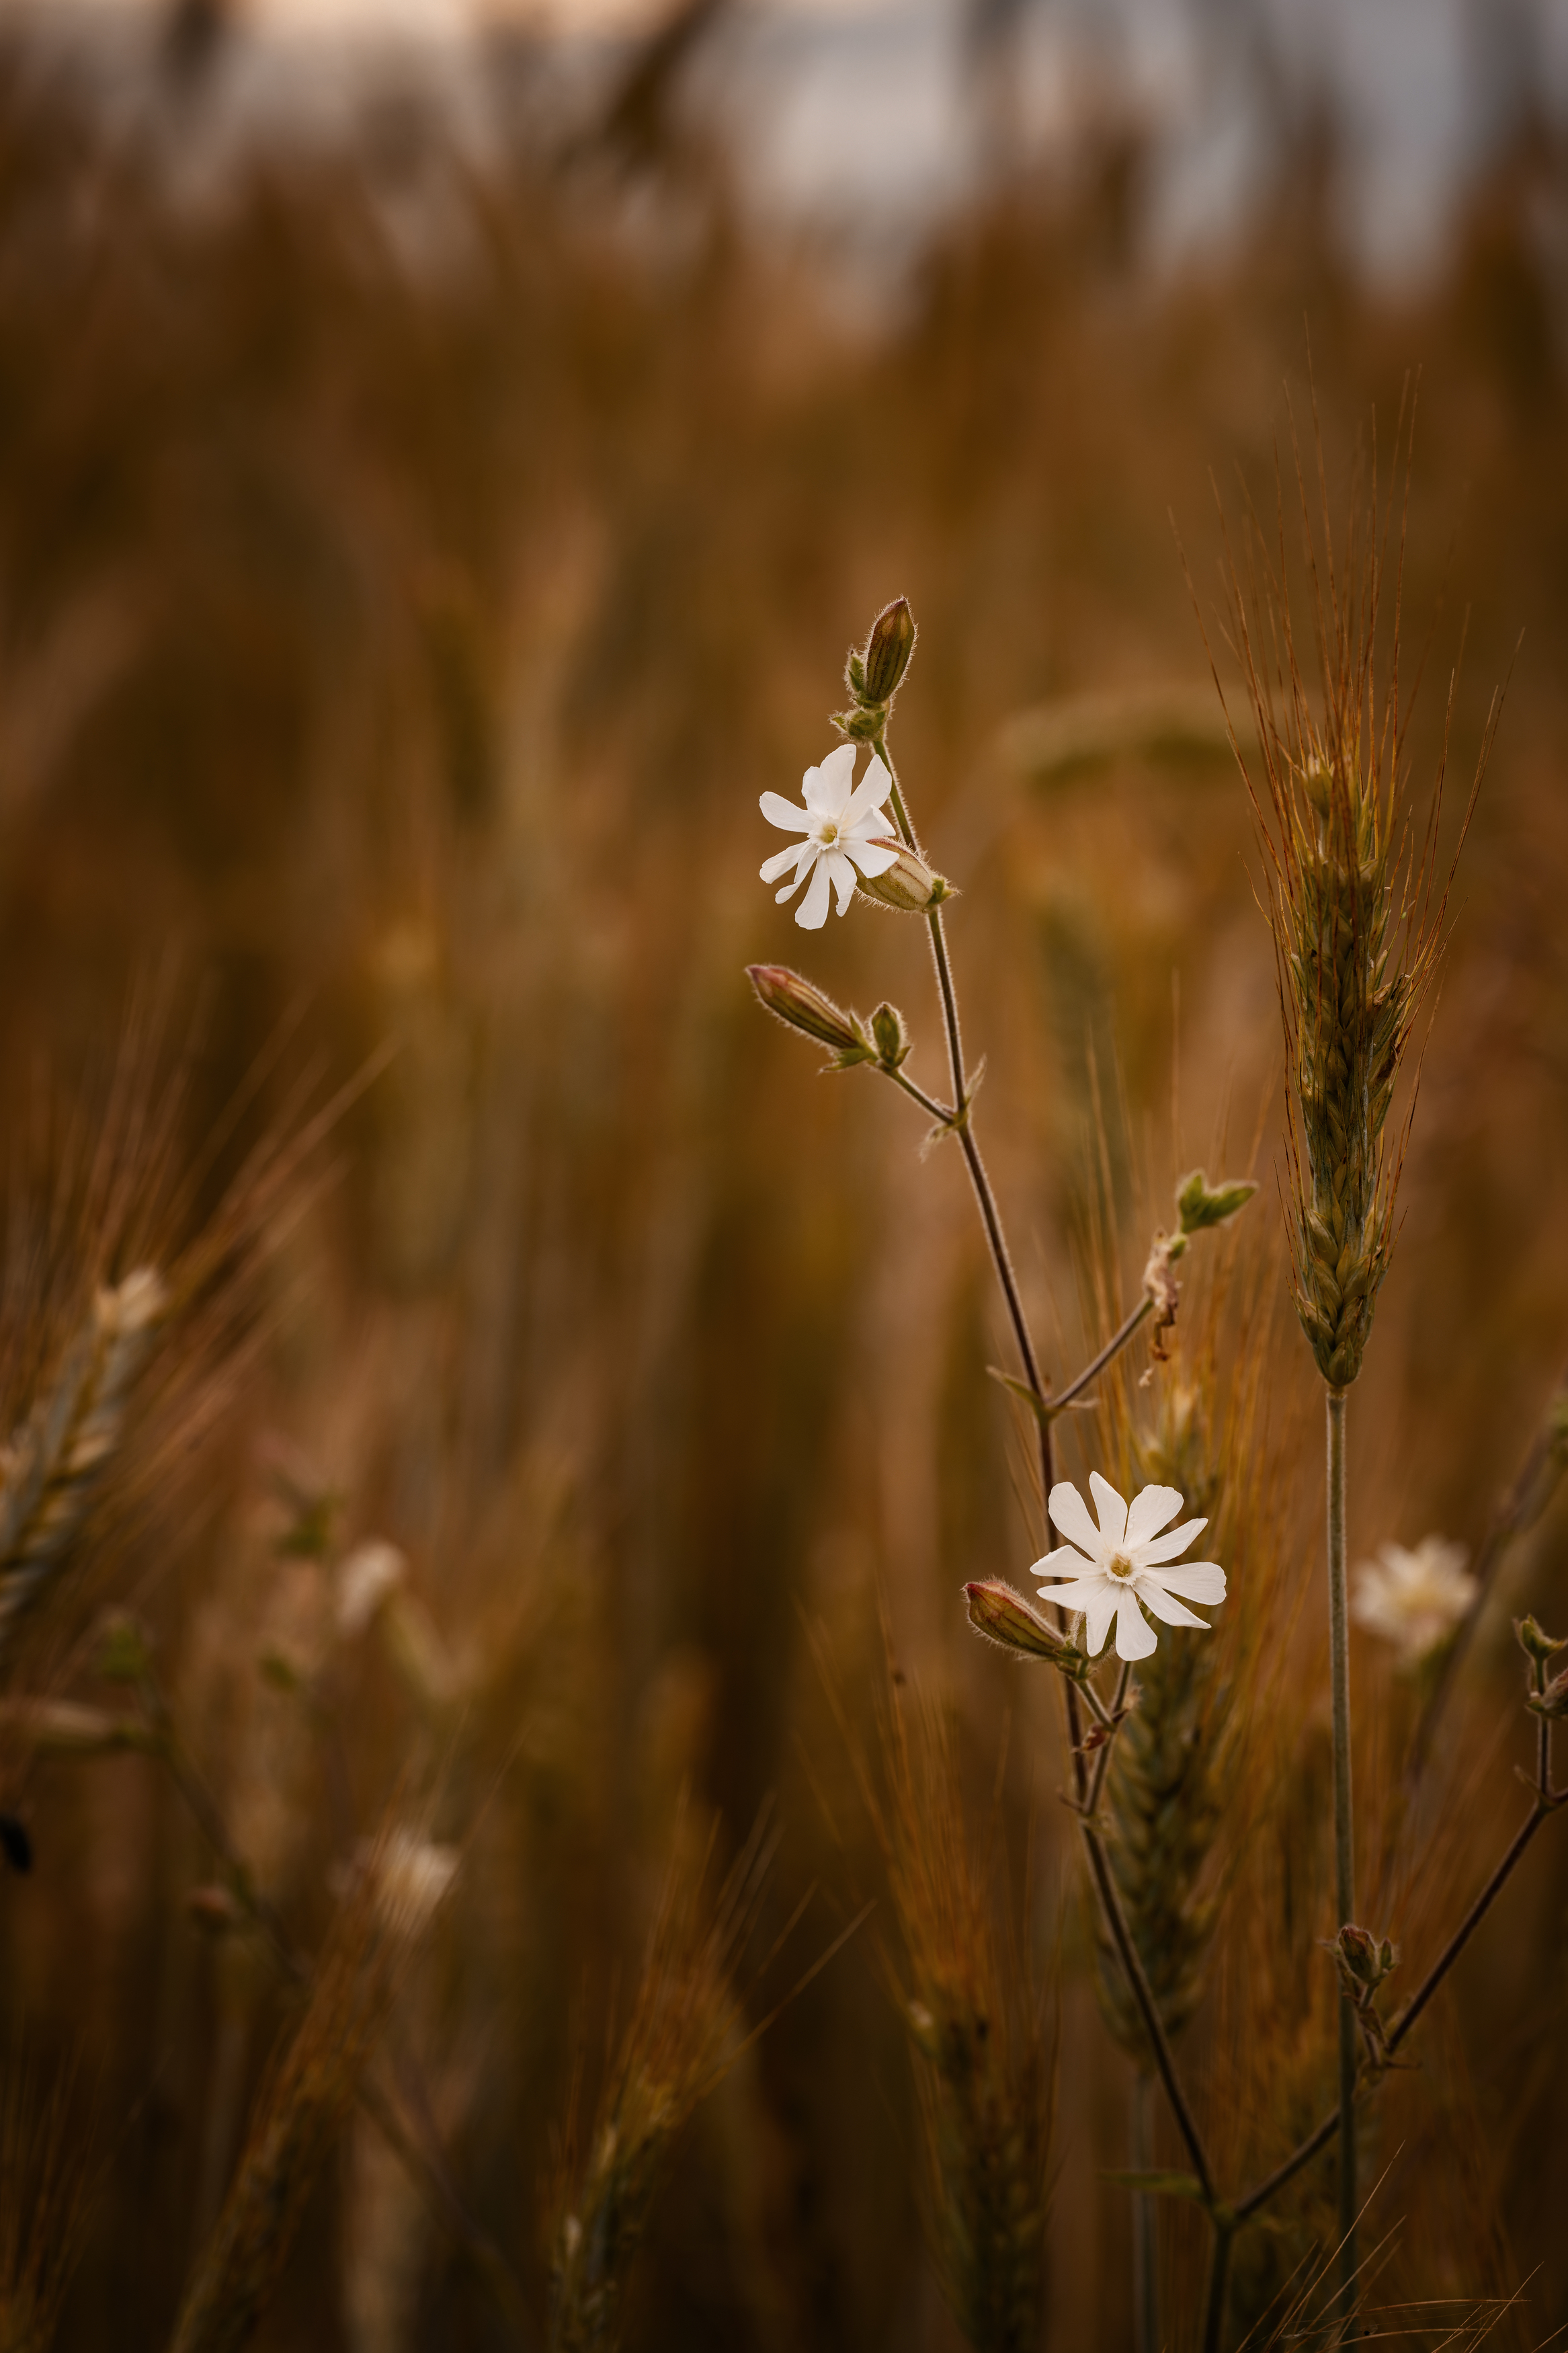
888	651
1364	1960
908	885
1535	1643
891	1038
1005	1618
805	1008
1201	1204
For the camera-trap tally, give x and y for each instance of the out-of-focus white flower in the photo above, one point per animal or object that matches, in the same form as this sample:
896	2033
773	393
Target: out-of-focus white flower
363	1580
1114	1567
839	822
1414	1600
412	1877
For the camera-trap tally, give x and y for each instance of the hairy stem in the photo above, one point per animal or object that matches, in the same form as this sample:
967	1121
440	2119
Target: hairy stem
1148	2010
1116	1921
990	1216
1113	1347
1344	1848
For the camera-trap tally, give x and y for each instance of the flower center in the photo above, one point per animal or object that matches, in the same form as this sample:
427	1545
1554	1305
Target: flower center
828	831
1121	1568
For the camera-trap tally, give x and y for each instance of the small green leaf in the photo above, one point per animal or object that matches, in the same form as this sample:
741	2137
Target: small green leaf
1039	1407
1201	1204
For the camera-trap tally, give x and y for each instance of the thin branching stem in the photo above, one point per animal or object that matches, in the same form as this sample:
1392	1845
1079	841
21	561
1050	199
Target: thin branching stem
1345	1832
1148	2010
1113	1723
1217	2283
1113	1347
1548	1800
1099	1866
960	1122
941	1112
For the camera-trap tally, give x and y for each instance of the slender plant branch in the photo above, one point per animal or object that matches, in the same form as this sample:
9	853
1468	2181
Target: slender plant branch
960	1122
1112	1725
1148	2010
1344	1833
1532	1490
1548	1800
1218	2283
961	1125
1113	1347
941	1112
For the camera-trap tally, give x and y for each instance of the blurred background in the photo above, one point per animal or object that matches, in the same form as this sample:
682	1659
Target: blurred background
444	454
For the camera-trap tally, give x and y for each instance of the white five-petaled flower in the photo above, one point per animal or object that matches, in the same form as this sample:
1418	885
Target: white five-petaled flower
1114	1567
840	822
1414	1600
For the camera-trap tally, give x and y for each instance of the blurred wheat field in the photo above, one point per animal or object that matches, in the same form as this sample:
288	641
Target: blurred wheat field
412	571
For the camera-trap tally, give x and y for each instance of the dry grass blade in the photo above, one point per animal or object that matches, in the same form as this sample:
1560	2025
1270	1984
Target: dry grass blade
301	2110
1351	887
683	2031
48	1472
42	2195
985	2060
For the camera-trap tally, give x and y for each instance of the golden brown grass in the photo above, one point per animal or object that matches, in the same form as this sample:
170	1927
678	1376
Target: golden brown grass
409	644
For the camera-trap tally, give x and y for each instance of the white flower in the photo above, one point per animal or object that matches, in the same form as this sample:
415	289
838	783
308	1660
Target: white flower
1414	1600
412	1880
1113	1568
365	1579
839	822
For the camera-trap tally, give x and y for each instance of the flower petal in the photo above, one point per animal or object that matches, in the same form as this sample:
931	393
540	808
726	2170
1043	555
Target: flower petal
1167	1547
870	792
1135	1637
824	790
1064	1560
782	861
1165	1606
812	912
1070	1514
1194	1580
1112	1512
785	814
1149	1513
868	856
1097	1617
844	878
1077	1592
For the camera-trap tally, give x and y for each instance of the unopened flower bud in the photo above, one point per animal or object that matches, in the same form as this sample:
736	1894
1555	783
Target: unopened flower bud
909	885
1201	1204
805	1008
890	1036
863	724
1536	1643
1364	1960
215	1909
888	649
1552	1702
1005	1618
